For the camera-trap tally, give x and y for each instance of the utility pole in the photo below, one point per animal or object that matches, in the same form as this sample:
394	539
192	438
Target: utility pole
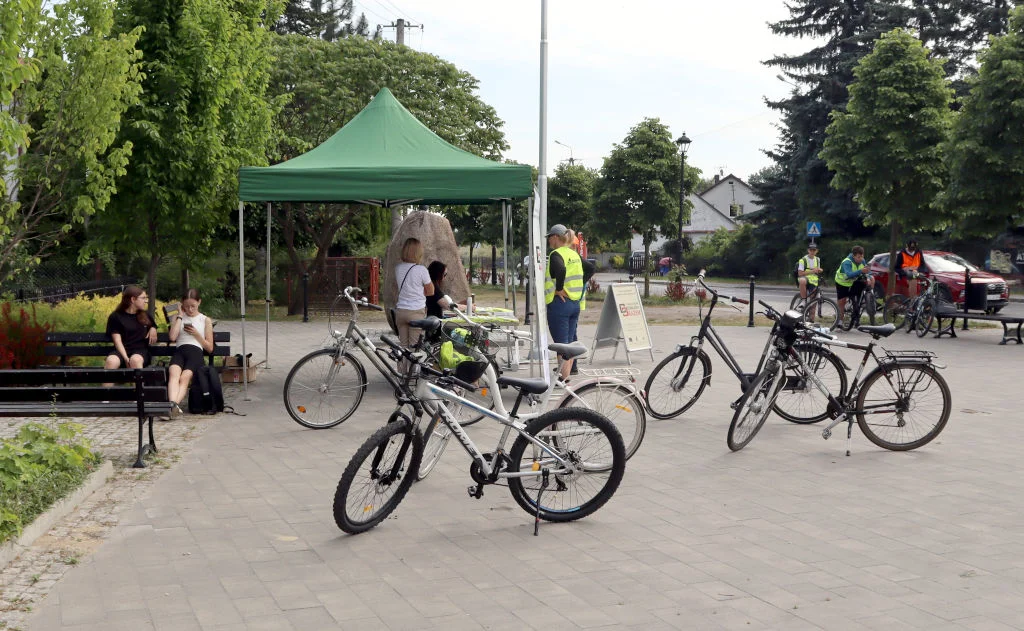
400	25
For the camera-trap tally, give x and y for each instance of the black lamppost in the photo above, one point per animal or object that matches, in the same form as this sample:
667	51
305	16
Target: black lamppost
683	143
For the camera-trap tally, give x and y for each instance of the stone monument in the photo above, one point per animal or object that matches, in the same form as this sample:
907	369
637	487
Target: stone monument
435	233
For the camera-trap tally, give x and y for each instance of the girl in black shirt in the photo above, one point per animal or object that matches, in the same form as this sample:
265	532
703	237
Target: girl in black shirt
436	304
131	331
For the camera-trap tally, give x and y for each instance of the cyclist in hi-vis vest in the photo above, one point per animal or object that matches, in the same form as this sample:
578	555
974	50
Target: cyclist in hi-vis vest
851	272
807	270
563	290
910	264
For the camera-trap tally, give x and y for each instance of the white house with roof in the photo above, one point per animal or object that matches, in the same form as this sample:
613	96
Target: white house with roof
721	205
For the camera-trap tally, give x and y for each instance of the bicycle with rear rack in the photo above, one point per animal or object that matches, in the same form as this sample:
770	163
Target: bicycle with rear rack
563	465
609	391
901	404
678	381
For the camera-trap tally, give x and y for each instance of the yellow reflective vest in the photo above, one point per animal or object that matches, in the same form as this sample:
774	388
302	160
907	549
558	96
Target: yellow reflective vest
811	263
841	278
573	283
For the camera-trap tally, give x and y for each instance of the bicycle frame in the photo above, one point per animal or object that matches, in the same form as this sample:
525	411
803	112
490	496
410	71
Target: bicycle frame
426	393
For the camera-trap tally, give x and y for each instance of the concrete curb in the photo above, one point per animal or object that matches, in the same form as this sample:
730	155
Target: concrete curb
42	524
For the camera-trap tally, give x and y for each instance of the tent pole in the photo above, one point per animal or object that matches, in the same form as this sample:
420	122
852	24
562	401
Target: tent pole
504	244
241	298
511	244
266	343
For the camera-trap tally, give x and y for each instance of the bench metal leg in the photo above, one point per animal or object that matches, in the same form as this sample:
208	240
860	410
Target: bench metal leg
1007	336
144	448
951	331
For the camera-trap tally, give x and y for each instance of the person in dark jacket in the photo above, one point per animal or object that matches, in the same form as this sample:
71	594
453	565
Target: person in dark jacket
437	302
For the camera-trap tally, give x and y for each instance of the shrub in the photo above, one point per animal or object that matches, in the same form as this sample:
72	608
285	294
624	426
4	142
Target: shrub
22	339
484	275
39	466
618	262
676	289
86	314
593	286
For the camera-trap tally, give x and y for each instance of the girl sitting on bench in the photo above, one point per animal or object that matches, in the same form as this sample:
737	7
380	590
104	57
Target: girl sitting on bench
193	334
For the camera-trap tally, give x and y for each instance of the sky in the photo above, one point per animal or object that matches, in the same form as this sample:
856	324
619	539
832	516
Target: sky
696	65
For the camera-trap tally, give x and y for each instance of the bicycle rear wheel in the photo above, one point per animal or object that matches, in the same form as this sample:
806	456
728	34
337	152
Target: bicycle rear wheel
926	319
677	382
378	477
324	389
618	404
903	406
799	401
824	312
586	439
755	406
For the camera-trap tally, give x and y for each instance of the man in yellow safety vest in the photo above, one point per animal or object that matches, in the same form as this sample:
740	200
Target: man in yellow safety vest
563	290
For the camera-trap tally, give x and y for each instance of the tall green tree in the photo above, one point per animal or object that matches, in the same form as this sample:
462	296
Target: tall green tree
203	114
986	153
571	196
73	112
638	190
325	19
325	84
888	144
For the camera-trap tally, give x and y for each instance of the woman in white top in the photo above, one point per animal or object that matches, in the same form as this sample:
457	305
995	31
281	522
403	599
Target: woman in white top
188	354
414	285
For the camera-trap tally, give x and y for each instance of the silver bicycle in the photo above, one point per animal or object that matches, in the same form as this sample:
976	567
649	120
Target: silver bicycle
562	466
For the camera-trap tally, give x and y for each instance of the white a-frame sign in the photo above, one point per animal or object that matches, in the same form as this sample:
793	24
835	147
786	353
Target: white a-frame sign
622	320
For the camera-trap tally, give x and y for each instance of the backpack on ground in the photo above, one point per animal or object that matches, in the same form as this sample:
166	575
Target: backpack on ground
205	394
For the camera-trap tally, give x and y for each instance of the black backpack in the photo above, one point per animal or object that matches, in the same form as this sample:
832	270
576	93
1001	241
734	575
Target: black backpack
205	394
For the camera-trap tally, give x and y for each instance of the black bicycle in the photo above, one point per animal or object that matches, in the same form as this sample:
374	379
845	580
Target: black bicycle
679	380
861	302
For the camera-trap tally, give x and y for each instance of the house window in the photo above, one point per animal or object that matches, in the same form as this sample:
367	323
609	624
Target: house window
735	210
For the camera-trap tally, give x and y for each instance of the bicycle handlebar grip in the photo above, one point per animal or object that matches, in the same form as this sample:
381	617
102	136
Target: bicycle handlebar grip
375	307
740	300
765	305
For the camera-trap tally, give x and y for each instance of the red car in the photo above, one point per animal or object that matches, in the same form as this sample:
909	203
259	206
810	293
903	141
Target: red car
948	269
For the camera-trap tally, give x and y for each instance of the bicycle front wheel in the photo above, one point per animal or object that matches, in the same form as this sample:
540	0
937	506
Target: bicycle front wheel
617	403
435	441
895	311
799	401
903	406
582	437
824	312
323	388
754	407
926	319
677	382
378	477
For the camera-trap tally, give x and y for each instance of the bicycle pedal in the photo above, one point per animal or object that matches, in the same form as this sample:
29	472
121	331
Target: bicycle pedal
735	405
826	434
476	492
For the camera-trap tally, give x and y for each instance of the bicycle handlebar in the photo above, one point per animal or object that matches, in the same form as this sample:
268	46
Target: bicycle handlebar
443	374
359	302
716	294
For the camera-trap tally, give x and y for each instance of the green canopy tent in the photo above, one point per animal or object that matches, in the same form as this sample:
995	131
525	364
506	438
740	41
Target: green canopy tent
384	157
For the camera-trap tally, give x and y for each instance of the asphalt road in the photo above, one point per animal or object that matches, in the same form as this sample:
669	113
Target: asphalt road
775	295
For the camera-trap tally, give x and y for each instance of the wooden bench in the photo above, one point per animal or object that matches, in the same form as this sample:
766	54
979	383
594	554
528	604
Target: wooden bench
79	392
66	345
1005	320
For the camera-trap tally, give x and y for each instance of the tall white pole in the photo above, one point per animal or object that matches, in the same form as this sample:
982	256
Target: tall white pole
266	362
542	165
539	219
241	296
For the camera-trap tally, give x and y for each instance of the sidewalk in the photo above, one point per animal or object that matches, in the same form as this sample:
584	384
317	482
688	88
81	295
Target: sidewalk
786	534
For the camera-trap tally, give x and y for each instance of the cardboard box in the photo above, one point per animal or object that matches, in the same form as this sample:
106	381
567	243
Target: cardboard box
232	371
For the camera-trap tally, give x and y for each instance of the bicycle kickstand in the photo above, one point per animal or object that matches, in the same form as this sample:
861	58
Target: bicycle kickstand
543	485
849	433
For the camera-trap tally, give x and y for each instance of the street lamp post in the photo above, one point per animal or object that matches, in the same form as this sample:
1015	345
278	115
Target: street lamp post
572	161
683	143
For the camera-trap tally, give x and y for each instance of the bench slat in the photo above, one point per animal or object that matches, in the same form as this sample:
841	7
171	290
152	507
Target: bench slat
103	351
86	338
126	409
65	394
153	376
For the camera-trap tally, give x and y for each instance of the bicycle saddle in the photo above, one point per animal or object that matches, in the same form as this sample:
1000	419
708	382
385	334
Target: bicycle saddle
568	351
429	324
529	386
881	330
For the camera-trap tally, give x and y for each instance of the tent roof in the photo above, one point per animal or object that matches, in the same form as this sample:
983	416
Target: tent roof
385	156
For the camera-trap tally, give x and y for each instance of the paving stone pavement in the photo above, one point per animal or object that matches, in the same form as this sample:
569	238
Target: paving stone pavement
788	533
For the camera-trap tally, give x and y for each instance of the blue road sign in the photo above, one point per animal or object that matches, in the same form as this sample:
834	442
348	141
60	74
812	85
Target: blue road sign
814	228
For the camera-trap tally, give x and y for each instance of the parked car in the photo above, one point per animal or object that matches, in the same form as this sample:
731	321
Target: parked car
948	269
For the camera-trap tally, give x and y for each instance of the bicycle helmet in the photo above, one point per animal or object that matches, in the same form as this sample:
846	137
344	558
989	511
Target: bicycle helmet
912	241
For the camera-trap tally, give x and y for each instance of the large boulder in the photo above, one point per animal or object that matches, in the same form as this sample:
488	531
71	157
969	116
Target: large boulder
435	233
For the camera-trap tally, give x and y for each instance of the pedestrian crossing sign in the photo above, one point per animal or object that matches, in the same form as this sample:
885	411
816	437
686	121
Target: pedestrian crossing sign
814	228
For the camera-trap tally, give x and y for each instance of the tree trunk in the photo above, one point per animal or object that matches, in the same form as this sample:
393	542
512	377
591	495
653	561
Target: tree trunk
494	264
647	267
470	262
894	235
396	218
184	278
154	264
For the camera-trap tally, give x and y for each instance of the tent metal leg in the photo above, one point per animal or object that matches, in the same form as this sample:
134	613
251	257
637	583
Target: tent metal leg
266	361
241	297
